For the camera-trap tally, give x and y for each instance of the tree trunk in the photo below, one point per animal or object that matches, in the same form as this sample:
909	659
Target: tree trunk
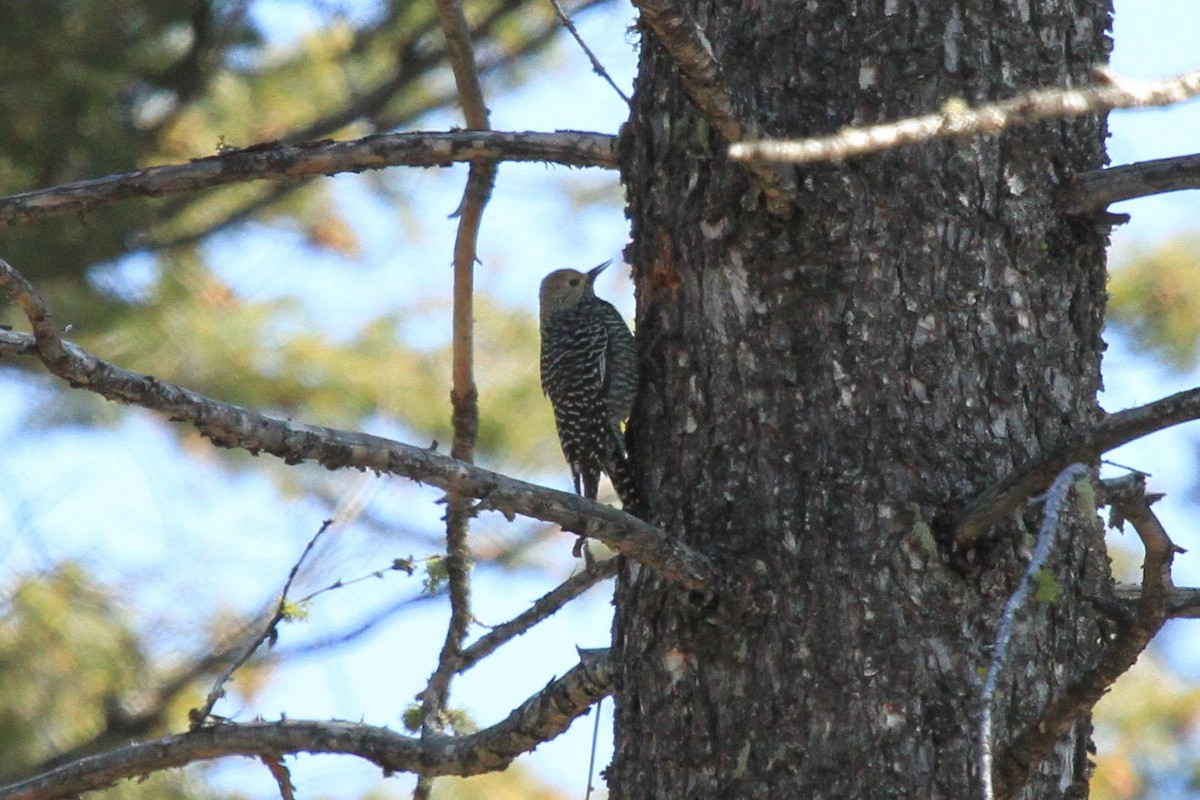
817	388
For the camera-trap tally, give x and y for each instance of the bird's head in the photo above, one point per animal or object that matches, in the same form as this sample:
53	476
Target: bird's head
564	288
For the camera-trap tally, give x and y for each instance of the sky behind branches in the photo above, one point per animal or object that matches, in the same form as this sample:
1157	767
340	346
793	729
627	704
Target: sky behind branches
127	501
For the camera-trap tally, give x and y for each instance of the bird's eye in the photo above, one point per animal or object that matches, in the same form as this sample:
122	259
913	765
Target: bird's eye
575	281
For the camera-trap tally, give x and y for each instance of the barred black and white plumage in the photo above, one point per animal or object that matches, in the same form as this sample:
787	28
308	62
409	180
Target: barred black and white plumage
589	372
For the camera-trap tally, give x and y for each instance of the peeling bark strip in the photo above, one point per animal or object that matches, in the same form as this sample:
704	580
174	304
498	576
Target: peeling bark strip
539	719
274	160
819	386
1053	510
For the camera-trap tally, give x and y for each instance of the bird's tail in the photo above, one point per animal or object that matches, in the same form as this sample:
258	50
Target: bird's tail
627	483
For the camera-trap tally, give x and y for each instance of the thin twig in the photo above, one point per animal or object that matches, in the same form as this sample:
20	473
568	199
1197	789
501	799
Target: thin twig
542	608
1110	93
1080	695
592	757
1056	499
597	67
227	425
404	565
281	774
539	719
978	515
269	632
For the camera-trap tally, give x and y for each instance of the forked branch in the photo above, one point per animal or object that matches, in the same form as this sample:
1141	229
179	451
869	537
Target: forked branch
978	515
1081	694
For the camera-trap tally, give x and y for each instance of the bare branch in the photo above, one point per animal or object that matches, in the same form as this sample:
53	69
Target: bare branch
977	516
463	396
48	343
1056	499
1081	694
542	608
268	632
993	118
597	67
1096	190
701	76
1182	602
227	425
462	60
539	719
274	160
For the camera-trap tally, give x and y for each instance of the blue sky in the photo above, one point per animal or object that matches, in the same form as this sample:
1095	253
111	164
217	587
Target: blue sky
129	501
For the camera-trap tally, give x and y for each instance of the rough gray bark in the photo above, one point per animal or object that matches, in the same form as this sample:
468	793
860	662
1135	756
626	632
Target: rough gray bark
820	389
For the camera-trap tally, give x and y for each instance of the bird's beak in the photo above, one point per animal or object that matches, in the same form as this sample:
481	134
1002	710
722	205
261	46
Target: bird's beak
594	271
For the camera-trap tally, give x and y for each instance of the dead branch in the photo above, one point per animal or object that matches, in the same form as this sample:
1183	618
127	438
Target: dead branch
463	396
227	425
1082	693
1182	602
1107	94
542	608
982	512
1096	190
274	160
1056	500
597	67
268	632
539	719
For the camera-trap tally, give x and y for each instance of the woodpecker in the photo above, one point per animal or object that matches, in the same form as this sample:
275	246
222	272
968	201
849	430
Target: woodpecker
589	372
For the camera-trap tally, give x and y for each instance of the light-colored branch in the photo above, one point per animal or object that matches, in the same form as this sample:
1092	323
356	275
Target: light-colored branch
1056	500
275	161
978	515
227	425
539	719
701	76
1096	190
1082	693
993	118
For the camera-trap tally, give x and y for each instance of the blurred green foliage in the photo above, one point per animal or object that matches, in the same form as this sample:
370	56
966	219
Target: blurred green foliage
1145	728
103	88
75	672
1155	298
91	88
515	783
